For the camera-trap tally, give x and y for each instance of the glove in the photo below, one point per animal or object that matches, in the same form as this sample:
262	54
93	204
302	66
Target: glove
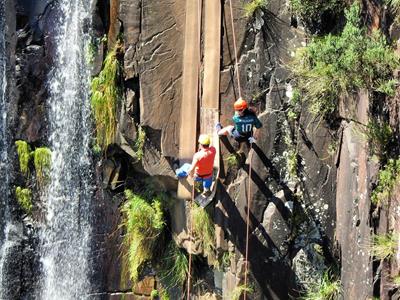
252	140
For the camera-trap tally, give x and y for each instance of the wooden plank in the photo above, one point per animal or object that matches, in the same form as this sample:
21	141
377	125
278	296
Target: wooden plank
190	81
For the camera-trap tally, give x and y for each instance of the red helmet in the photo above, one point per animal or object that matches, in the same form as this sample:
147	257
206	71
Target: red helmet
240	104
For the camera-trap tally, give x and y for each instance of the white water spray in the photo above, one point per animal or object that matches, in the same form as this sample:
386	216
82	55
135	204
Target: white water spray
65	238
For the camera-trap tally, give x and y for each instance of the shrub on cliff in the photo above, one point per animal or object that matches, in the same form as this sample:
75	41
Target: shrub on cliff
338	65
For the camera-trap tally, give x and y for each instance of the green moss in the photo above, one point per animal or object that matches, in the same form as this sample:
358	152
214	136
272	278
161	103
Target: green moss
24	151
204	230
335	66
42	162
105	94
24	198
174	267
326	289
384	246
144	223
239	290
387	178
139	143
251	7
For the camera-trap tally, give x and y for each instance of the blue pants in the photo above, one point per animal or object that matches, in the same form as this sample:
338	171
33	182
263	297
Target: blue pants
182	172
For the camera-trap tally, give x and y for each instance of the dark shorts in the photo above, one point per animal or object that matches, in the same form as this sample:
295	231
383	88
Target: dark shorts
240	137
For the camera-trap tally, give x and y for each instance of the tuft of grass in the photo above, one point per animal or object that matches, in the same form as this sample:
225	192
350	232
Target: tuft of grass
251	7
174	267
335	66
105	94
144	223
204	230
387	178
139	143
292	163
326	289
24	151
384	246
42	162
239	290
24	198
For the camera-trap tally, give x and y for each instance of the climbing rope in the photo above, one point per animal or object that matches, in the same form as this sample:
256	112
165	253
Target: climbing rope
199	4
190	243
248	222
235	50
250	159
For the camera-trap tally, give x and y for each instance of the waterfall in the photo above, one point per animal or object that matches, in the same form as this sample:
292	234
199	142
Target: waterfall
65	237
7	228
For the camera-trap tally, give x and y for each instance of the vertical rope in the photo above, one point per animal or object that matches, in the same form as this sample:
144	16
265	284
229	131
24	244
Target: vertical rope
199	3
235	50
248	223
190	244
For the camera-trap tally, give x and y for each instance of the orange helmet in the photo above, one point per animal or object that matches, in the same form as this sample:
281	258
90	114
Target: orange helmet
240	104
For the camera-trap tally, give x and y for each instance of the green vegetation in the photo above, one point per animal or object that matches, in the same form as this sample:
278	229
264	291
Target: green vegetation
239	290
396	281
312	10
204	230
232	160
154	294
291	163
326	289
139	143
24	151
251	7
387	179
105	94
174	267
144	223
384	246
42	161
335	66
379	135
24	198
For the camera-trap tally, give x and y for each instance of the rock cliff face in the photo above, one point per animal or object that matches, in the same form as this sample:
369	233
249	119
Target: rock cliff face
310	205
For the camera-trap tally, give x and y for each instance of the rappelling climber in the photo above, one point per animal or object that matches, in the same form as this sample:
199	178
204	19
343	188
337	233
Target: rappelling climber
201	168
244	121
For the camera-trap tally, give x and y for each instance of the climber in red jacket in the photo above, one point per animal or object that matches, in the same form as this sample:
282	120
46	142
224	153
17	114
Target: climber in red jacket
201	168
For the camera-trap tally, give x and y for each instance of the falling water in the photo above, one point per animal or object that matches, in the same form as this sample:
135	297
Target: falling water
66	234
6	241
